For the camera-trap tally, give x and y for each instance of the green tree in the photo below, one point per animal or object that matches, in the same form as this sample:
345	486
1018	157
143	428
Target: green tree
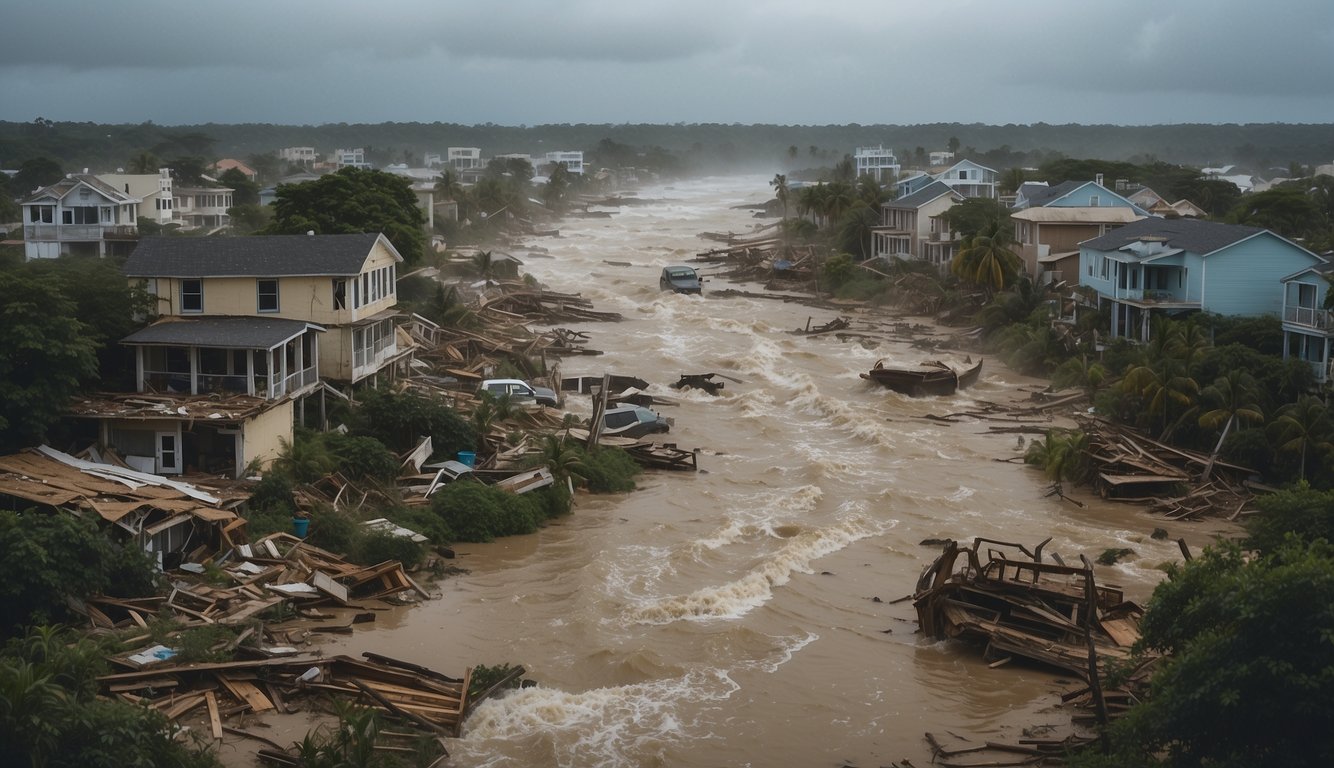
1303	428
1289	211
145	163
244	191
781	191
45	355
34	174
188	170
1246	677
988	259
1232	398
353	200
857	231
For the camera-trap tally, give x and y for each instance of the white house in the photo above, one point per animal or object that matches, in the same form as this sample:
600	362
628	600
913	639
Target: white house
351	158
464	158
153	190
877	162
77	216
573	160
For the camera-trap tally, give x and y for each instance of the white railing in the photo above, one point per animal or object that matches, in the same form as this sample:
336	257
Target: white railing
76	231
1310	317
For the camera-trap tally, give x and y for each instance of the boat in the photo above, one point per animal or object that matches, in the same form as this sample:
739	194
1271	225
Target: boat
931	377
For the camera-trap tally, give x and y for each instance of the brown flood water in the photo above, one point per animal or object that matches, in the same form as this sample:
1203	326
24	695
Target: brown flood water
728	617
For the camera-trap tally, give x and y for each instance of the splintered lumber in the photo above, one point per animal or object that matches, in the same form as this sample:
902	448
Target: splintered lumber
1015	605
214	721
246	692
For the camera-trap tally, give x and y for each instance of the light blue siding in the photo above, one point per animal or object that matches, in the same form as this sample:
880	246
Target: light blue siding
1245	278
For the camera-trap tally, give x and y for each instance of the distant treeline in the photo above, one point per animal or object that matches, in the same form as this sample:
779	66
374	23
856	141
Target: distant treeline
699	146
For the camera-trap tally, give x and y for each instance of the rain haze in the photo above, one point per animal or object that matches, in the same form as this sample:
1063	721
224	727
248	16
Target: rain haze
693	61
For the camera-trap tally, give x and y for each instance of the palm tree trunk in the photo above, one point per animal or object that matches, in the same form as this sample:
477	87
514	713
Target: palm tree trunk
1209	467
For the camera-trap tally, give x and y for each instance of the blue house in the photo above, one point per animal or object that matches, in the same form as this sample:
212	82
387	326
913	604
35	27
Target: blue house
1177	266
1308	328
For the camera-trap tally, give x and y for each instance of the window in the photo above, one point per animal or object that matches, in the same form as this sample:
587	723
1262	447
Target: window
268	295
366	288
339	293
192	295
1095	201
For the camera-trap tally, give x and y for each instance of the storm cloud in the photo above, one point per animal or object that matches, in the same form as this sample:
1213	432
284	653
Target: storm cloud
594	61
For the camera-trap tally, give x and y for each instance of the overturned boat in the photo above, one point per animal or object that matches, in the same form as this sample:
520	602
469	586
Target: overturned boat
931	377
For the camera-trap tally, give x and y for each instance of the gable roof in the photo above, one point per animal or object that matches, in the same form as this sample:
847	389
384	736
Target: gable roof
62	189
1201	237
265	256
1040	198
923	196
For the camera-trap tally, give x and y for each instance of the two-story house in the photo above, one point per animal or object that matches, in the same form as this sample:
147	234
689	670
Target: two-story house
965	177
1177	266
571	159
877	162
1053	220
201	207
249	328
908	224
1308	328
463	158
80	215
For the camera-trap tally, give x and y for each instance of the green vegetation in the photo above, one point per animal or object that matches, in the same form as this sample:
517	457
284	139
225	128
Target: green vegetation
350	201
49	560
50	713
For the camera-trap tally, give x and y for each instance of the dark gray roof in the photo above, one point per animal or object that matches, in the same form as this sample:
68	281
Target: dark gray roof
1040	196
1201	237
922	196
266	256
221	331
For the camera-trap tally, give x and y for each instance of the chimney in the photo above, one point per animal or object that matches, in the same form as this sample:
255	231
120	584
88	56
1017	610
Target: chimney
1098	178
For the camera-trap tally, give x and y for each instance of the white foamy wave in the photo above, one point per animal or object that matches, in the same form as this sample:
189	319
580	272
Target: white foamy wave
783	503
788	647
620	725
737	598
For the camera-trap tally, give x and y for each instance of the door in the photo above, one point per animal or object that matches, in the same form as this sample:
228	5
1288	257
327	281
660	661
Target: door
168	453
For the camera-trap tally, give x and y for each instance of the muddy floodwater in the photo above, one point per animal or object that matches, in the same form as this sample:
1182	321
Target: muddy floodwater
729	617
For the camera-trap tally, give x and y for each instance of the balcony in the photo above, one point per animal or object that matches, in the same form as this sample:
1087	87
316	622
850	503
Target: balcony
1309	317
79	232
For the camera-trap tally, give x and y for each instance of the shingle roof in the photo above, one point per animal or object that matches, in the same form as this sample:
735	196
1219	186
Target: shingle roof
922	196
267	256
1201	237
221	331
66	185
1040	196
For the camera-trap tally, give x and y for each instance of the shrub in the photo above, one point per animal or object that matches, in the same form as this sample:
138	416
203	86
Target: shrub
476	512
423	521
362	457
399	419
375	547
48	559
336	530
609	470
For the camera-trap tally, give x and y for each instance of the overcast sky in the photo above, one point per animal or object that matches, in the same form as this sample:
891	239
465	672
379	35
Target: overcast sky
528	62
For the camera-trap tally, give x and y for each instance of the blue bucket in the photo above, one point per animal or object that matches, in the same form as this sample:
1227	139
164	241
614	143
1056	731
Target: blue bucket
468	457
300	526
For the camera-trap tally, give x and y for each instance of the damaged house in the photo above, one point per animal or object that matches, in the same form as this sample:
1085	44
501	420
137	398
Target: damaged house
249	329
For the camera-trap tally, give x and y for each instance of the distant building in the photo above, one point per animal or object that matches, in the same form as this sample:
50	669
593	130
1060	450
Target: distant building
572	160
464	158
914	228
351	158
202	207
302	155
935	159
227	164
877	162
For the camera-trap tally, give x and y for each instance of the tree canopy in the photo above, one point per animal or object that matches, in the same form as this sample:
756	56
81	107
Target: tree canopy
351	201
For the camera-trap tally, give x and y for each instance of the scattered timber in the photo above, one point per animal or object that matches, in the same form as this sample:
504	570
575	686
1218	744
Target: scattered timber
1014	604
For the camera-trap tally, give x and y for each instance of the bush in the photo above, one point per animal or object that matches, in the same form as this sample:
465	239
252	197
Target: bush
336	530
609	470
400	419
374	547
362	457
423	521
476	512
48	559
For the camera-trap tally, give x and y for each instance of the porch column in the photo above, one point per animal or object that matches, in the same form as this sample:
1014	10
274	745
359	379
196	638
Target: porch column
139	381
250	372
194	370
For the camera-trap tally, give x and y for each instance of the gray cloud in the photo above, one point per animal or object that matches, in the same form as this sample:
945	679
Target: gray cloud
784	61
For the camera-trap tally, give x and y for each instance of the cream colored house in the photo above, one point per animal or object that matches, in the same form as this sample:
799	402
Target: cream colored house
909	224
272	296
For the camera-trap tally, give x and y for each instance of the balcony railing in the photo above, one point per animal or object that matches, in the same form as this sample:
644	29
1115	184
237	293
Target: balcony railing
1311	317
58	232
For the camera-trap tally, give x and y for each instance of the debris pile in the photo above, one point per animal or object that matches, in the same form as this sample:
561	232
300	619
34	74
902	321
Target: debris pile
1018	606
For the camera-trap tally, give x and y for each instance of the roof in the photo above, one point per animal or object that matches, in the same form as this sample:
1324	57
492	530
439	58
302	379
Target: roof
266	256
923	196
1037	197
62	188
214	408
221	331
1102	214
1202	237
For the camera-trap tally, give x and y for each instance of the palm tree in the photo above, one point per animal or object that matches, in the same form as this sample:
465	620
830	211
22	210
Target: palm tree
1161	379
781	190
484	265
145	162
855	234
1234	398
1302	427
812	200
840	197
987	259
870	191
562	457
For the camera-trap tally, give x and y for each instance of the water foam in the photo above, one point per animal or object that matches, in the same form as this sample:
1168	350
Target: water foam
619	725
737	598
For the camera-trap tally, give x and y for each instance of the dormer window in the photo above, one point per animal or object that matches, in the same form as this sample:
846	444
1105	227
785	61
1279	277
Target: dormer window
268	295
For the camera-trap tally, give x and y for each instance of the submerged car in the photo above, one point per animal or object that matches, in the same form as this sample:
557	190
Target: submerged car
632	421
680	280
520	391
